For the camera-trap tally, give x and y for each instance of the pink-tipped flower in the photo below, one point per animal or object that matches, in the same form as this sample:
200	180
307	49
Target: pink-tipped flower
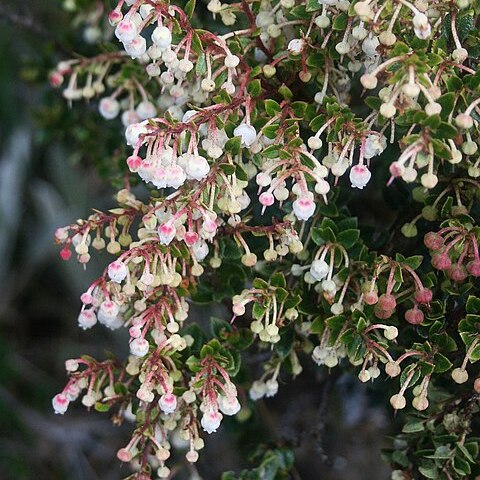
108	108
168	403
166	233
191	238
60	403
115	17
359	176
65	253
124	455
87	318
117	271
303	208
137	47
126	31
175	176
266	199
139	347
211	421
86	298
134	162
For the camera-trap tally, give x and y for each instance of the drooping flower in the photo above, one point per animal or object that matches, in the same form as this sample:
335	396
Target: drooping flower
87	318
303	208
168	403
247	133
166	232
211	420
319	269
295	46
117	271
139	347
60	403
359	176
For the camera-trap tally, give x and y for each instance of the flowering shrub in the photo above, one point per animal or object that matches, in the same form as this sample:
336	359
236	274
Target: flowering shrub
251	134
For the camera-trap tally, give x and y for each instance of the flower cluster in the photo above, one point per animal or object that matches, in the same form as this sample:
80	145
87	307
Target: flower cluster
238	145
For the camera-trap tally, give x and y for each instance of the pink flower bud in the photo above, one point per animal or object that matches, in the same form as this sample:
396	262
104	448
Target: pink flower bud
115	17
423	295
370	298
457	273
397	169
135	332
387	302
382	313
266	199
86	298
191	238
441	261
433	241
124	455
55	79
414	316
134	162
65	253
473	268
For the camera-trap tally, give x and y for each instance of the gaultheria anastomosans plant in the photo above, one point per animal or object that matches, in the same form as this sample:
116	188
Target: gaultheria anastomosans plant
250	142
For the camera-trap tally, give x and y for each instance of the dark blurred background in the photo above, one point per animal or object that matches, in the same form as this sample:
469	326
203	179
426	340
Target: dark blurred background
54	169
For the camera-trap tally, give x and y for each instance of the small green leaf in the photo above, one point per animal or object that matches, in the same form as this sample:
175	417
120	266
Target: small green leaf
413	427
340	22
272	107
189	8
278	280
101	407
442	363
254	88
348	238
233	145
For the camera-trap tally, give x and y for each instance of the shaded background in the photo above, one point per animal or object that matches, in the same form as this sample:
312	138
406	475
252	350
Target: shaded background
54	168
